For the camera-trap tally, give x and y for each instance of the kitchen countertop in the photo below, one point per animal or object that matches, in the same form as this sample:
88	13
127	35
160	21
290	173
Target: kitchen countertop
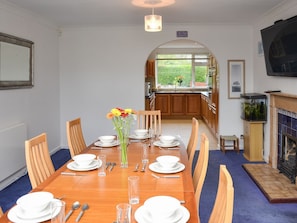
180	91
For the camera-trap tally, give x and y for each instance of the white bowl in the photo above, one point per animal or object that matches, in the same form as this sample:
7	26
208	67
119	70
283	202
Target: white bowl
106	139
84	160
167	161
35	202
141	132
162	207
167	140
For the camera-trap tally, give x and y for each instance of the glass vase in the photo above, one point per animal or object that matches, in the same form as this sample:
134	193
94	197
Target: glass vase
124	153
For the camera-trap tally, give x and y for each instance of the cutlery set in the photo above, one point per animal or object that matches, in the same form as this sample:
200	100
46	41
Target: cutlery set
74	207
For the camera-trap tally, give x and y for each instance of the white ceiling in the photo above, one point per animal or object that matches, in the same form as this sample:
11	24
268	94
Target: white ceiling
73	13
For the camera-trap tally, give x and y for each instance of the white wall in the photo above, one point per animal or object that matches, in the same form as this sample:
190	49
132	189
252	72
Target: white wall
37	107
262	82
103	67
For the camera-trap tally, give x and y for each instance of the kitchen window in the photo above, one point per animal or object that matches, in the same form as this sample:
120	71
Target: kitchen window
182	70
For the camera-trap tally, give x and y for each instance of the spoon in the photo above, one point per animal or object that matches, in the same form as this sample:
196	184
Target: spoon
75	206
83	208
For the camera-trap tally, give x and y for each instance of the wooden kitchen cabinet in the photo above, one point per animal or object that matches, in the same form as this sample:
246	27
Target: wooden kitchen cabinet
163	104
150	68
253	140
193	104
178	106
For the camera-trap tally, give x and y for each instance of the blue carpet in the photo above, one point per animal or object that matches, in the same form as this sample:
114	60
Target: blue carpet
250	204
10	194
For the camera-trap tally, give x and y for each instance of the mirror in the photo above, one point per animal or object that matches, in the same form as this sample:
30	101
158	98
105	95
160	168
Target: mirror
16	62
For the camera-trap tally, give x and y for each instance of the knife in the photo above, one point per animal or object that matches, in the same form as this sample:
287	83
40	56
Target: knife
72	174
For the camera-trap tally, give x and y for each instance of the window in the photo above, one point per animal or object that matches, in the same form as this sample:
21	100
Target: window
182	70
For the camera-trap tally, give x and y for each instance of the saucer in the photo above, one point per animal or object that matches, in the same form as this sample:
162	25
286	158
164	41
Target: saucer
101	144
94	165
155	167
16	214
160	144
142	215
139	137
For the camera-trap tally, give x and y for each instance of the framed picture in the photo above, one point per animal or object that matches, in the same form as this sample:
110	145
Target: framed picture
236	76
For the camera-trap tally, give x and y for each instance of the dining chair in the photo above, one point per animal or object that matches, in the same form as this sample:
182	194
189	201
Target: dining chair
193	141
1	212
75	138
223	207
201	169
147	119
38	160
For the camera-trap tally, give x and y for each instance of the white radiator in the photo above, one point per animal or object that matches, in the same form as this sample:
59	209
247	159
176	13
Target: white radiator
12	153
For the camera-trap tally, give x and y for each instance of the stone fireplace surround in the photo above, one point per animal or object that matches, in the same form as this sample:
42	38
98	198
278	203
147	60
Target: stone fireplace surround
287	102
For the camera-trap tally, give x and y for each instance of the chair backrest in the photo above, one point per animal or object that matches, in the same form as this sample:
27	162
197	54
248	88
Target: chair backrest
1	212
38	160
193	141
147	119
201	168
75	138
223	207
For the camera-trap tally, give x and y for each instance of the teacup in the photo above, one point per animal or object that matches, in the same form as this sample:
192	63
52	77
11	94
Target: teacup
107	139
84	160
167	161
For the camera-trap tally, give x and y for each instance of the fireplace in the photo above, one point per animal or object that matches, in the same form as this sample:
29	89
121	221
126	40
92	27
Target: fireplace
283	133
287	162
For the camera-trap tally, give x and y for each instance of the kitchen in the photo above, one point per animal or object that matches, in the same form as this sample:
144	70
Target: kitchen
179	99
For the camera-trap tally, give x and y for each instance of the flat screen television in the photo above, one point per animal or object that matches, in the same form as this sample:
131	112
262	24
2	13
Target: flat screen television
280	48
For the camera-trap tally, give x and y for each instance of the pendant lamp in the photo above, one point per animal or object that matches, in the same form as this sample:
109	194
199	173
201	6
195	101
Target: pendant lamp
153	23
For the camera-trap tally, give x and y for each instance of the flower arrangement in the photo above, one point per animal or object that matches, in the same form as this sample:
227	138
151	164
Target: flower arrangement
179	79
122	119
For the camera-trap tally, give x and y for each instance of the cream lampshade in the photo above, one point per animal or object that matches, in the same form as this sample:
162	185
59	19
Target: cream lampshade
153	23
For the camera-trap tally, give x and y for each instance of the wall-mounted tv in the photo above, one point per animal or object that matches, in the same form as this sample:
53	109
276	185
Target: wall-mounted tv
280	48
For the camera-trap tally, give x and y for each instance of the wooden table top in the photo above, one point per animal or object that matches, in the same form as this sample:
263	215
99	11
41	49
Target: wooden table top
104	193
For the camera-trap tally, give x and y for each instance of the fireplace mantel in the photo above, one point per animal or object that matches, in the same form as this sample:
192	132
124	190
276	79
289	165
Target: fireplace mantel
283	101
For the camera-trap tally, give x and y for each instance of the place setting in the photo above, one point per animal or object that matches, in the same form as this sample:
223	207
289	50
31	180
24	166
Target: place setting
167	141
162	209
140	134
106	141
84	162
167	164
36	207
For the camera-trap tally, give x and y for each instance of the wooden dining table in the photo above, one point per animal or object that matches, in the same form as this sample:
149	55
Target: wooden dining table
103	193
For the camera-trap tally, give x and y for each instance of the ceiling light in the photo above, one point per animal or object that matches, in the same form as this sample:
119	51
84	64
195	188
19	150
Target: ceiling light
153	23
152	3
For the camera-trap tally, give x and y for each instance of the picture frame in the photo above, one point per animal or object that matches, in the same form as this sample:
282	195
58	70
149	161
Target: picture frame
236	78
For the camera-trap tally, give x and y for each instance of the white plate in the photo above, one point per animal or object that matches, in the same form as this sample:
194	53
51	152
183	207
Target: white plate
101	144
155	167
94	165
14	215
142	215
160	144
139	137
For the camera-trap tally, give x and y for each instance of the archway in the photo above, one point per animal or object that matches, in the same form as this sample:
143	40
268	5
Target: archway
206	84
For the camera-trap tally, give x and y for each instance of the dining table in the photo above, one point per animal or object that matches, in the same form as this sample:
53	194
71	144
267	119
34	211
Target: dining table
103	193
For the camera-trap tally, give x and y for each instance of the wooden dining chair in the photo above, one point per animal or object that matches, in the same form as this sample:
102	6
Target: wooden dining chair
38	160
1	212
223	207
193	141
75	138
147	119
201	169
